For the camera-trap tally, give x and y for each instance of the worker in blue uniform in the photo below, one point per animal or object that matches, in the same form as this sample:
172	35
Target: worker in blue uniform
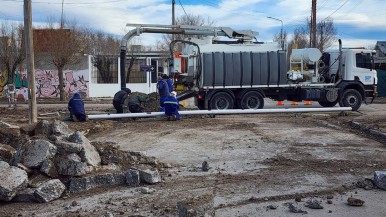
171	105
76	108
165	87
120	98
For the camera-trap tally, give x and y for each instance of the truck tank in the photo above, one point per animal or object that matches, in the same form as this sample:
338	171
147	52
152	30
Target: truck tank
244	68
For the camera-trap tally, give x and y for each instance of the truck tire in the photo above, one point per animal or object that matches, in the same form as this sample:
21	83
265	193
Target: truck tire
251	100
351	98
221	101
327	104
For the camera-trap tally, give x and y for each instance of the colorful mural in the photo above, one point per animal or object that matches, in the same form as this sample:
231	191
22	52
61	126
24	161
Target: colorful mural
47	83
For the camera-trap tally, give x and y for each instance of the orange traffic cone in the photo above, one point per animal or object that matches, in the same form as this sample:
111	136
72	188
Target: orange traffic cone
280	103
308	102
294	103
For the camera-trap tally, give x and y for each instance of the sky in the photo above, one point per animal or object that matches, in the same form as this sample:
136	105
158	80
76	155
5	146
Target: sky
359	23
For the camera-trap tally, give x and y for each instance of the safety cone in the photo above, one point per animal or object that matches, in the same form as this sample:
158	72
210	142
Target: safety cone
294	103
308	102
280	103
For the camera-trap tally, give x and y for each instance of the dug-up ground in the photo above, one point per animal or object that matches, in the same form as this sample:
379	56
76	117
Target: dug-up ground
292	164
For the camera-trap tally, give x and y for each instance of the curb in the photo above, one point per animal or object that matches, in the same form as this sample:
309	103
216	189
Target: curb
368	130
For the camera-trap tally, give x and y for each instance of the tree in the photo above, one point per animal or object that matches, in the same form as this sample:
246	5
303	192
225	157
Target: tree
281	39
12	52
325	35
65	46
189	19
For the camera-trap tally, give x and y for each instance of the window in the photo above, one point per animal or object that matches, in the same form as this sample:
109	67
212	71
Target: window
363	60
109	74
136	75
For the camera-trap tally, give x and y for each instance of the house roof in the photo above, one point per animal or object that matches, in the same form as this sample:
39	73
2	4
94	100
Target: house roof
381	46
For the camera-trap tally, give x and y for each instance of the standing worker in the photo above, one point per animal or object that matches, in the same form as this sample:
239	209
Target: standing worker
135	102
171	105
76	108
119	99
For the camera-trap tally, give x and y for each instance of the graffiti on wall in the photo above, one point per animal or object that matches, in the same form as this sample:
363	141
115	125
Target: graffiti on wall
47	83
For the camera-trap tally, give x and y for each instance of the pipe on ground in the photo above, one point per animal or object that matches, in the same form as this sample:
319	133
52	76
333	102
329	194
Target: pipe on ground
219	112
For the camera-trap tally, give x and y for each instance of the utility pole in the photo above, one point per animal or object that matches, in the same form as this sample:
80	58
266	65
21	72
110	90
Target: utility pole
313	24
29	49
281	32
61	18
173	18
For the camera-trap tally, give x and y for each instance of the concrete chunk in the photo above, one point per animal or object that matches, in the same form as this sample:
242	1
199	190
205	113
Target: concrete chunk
132	177
37	151
49	191
26	195
4	164
7	153
380	179
149	176
49	168
96	180
59	128
65	147
71	167
89	154
12	180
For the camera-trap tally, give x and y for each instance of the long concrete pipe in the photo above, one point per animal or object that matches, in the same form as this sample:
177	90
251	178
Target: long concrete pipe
219	112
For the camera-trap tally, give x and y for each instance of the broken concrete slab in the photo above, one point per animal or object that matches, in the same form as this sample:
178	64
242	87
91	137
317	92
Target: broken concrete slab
12	180
59	128
71	167
74	157
49	191
380	179
65	147
132	177
43	128
4	164
26	195
48	167
96	180
37	151
37	179
89	153
149	176
7	153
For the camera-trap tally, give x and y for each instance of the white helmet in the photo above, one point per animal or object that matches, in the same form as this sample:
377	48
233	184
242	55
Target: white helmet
173	93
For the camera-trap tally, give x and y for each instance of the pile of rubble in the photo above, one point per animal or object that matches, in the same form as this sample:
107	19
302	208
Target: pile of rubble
152	103
43	163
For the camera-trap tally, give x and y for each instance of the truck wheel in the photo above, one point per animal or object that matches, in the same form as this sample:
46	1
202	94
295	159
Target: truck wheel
327	104
251	100
221	101
351	98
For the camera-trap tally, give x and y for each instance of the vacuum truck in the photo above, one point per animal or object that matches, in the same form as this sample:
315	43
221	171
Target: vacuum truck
239	73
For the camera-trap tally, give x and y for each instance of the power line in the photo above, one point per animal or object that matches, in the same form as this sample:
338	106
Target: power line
345	2
183	8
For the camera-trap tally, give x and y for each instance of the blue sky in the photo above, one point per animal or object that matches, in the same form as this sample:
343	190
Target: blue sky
359	22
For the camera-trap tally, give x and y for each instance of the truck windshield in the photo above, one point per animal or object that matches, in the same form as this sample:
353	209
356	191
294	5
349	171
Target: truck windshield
363	60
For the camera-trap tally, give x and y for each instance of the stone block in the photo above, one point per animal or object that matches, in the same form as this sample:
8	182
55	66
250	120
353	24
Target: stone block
37	151
26	195
49	191
96	180
149	176
4	164
71	168
7	153
132	177
12	180
89	153
380	179
65	147
59	128
48	167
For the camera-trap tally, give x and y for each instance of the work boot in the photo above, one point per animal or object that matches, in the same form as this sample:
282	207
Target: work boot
74	118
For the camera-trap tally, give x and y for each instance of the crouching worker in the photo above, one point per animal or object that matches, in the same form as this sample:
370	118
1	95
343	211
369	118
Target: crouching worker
76	108
171	106
135	102
119	99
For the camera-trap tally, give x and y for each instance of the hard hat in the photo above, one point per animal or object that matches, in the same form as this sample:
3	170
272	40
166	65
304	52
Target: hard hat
173	93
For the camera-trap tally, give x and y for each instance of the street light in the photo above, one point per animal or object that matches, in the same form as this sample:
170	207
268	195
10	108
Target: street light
281	32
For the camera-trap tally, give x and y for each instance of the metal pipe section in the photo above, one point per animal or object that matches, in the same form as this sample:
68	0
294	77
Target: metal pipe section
219	112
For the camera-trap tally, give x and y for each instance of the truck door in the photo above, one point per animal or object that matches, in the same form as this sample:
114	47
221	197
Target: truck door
362	68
